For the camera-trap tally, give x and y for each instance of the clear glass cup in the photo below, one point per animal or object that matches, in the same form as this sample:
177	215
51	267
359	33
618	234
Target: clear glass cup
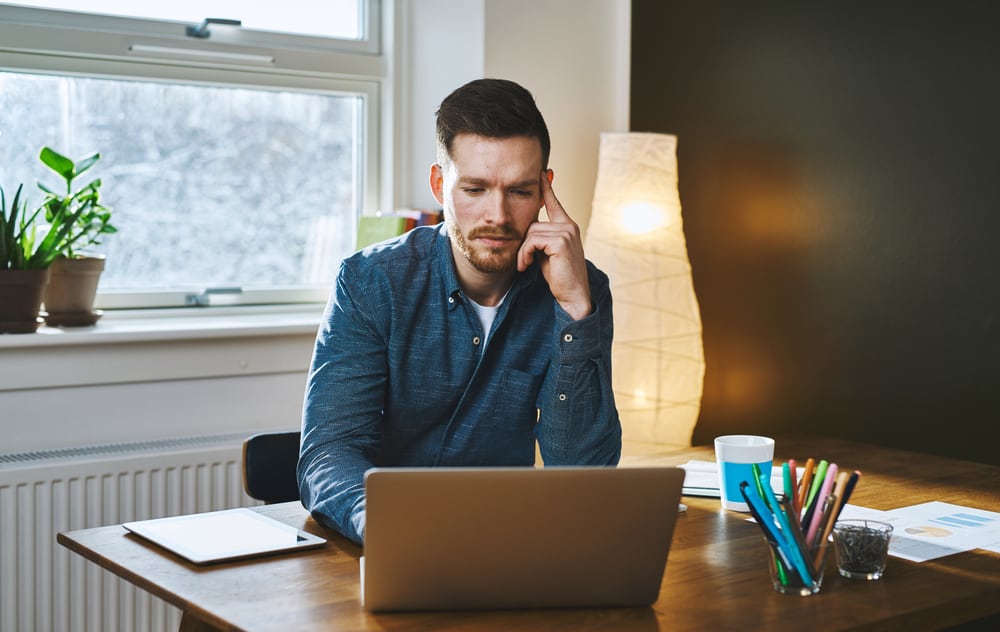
786	580
862	547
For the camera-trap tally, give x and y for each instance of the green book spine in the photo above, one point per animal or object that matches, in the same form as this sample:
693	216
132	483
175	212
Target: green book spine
375	228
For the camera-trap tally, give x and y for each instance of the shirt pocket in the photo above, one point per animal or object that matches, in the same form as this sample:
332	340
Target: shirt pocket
515	405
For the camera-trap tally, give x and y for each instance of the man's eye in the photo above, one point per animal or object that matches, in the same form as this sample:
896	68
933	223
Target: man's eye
472	190
521	193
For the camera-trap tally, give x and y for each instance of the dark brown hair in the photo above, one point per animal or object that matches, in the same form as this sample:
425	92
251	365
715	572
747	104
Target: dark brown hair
494	108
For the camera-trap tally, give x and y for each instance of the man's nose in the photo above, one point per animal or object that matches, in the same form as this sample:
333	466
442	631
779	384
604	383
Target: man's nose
495	209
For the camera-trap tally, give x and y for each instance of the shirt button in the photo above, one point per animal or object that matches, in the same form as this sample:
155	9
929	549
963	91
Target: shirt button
562	397
451	299
475	340
568	338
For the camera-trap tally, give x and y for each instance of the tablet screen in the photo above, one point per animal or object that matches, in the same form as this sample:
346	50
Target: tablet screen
222	535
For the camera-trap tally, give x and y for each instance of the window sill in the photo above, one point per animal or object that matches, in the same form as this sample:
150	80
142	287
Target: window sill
155	345
163	325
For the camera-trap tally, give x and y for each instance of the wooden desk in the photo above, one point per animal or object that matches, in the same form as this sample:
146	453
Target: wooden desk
716	576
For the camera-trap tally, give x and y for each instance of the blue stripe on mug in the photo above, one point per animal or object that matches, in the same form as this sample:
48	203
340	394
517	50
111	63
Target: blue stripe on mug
732	474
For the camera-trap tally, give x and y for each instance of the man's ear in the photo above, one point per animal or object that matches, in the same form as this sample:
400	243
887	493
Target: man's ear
550	174
437	183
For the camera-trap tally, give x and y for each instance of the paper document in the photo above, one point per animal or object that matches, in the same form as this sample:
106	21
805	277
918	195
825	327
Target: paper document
936	529
701	478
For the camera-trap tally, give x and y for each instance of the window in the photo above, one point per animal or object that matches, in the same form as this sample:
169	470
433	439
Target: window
329	18
241	160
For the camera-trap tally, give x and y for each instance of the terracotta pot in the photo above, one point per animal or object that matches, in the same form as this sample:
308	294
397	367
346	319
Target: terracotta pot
21	299
69	296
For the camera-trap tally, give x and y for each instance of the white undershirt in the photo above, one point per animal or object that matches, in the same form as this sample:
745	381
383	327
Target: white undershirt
487	315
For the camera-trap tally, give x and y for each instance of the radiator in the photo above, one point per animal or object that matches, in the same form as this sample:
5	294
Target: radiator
44	586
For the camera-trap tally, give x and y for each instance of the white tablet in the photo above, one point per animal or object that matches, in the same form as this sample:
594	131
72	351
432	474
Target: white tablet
218	536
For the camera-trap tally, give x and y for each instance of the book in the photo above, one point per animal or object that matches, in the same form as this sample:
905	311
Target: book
373	229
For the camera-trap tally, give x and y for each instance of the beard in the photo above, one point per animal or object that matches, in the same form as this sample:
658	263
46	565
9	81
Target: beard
487	260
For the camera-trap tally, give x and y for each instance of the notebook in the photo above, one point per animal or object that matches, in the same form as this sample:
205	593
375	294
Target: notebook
218	536
496	538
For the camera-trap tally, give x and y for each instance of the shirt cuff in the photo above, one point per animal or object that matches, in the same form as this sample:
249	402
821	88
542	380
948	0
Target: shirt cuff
579	340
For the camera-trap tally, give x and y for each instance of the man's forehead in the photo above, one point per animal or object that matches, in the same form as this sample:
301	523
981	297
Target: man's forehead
513	155
527	144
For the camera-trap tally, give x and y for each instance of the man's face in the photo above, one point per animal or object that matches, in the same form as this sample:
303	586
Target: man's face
490	190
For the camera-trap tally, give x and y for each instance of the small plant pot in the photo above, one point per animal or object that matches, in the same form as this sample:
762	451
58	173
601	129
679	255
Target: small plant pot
69	296
21	299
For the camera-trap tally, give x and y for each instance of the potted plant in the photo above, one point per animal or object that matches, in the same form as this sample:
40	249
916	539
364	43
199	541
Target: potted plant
25	257
69	295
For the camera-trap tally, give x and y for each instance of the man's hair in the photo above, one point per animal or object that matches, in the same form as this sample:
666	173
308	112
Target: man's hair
494	108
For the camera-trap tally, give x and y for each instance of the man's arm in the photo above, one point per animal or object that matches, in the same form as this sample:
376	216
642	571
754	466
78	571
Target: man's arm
342	410
578	422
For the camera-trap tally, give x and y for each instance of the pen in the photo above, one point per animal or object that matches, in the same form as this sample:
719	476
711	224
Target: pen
782	563
807	475
795	554
771	533
786	479
838	490
755	469
818	479
796	529
831	516
824	493
793	488
815	500
848	489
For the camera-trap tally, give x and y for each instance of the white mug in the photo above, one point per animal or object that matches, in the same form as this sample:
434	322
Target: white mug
736	455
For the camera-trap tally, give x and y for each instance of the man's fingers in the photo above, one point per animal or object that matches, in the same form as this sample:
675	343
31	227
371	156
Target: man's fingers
553	208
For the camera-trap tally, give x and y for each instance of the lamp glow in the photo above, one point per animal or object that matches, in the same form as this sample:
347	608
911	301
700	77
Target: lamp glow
636	236
639	218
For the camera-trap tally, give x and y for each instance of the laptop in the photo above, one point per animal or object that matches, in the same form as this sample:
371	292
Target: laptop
498	538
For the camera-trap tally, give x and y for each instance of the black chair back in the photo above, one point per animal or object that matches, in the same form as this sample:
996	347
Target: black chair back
269	462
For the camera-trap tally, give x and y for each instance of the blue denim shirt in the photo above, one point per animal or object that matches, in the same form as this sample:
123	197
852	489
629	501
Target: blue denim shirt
400	376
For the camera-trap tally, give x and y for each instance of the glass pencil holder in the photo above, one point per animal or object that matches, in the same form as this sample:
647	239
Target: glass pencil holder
862	547
785	576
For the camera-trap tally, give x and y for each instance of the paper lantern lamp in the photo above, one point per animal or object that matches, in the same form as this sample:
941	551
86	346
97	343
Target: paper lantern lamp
636	236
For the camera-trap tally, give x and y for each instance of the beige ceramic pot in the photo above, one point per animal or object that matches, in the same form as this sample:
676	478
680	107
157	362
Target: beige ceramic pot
69	296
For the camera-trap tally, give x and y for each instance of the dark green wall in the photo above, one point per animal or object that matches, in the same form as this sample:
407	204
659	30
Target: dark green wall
840	176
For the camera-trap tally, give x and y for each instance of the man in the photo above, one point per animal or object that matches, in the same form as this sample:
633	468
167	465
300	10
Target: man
461	344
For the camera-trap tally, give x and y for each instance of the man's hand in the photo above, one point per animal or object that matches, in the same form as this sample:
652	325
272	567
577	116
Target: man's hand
561	254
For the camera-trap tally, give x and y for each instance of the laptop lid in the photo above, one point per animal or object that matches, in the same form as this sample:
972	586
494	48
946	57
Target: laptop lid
555	537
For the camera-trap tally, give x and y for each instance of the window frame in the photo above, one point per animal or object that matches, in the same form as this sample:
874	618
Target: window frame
47	41
369	43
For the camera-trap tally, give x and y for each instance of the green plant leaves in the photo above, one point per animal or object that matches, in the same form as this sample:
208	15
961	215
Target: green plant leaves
76	220
66	167
18	250
86	163
89	218
58	163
